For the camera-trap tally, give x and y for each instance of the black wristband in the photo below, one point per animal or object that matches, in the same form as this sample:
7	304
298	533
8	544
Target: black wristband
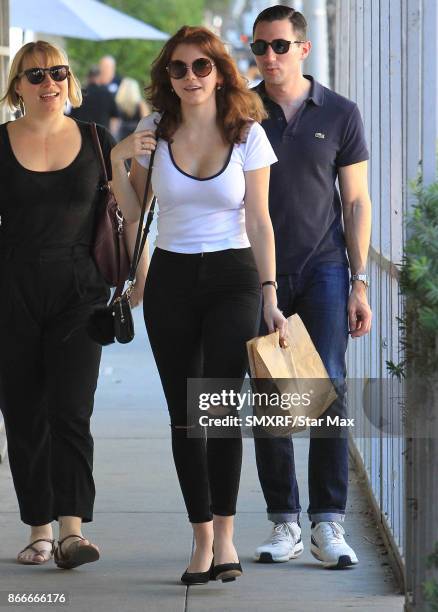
273	283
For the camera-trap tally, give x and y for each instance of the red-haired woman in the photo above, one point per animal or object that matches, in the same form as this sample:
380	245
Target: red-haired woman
215	248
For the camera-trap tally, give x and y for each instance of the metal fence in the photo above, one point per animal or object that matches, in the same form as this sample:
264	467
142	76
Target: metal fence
386	60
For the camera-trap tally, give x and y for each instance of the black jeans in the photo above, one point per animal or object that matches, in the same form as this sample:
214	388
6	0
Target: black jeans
200	310
48	375
320	297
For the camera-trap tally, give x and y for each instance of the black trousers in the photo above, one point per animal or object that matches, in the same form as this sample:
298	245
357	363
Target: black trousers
200	309
48	375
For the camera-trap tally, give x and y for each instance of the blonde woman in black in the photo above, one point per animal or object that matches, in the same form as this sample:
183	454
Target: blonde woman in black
49	178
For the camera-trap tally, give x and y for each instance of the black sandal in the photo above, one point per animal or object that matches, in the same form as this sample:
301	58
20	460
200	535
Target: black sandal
37	552
76	554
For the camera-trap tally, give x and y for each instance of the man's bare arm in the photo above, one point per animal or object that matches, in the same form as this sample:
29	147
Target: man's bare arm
356	207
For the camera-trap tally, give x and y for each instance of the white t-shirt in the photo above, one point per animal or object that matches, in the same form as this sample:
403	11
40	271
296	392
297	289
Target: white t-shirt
203	215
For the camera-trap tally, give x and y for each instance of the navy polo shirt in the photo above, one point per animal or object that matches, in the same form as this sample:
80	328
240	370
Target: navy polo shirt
324	134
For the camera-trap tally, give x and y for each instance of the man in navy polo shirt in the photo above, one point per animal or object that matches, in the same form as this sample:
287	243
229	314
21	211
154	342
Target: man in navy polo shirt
318	137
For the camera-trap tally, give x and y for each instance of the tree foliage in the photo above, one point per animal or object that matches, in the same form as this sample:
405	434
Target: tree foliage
134	57
419	279
431	586
419	285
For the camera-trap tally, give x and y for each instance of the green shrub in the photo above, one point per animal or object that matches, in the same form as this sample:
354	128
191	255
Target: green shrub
419	285
419	325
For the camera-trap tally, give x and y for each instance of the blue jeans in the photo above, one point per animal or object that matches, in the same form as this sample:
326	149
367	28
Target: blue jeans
319	296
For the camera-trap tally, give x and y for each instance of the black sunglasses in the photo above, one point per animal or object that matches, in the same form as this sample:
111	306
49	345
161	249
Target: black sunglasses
279	45
37	75
201	67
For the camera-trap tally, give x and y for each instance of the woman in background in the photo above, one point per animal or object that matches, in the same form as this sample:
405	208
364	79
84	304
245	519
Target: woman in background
131	106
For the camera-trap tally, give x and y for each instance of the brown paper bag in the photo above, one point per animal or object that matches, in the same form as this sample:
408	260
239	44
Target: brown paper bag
296	371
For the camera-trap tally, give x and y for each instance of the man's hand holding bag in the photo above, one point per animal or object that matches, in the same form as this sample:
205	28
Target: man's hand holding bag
295	371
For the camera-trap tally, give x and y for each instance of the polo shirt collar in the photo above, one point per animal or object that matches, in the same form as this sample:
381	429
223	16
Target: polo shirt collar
316	93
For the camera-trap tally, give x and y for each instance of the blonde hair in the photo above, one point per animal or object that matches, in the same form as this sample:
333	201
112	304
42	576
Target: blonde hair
53	55
128	96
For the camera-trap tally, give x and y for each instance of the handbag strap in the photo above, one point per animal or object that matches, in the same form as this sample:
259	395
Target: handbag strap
142	234
98	147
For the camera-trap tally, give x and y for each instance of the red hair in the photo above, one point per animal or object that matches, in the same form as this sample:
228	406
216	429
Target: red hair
237	106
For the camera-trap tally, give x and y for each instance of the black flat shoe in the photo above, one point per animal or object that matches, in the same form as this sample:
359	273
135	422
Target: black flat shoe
227	572
198	577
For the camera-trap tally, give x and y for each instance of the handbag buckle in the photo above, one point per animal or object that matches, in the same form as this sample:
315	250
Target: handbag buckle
129	288
120	219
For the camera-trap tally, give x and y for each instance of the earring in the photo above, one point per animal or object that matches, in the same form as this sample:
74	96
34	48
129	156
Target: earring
218	87
21	104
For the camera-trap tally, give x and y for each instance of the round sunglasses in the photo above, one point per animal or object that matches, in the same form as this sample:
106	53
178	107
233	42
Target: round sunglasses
201	67
35	76
279	45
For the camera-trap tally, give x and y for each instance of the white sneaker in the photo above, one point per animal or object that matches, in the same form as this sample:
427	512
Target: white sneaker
329	547
283	544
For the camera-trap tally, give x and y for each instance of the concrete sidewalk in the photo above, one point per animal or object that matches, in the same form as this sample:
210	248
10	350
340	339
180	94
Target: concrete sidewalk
141	527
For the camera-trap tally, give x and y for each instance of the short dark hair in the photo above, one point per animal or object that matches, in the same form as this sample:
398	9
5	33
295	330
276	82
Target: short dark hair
280	12
94	72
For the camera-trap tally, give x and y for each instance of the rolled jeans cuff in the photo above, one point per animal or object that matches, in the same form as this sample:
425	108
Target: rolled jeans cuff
283	517
337	517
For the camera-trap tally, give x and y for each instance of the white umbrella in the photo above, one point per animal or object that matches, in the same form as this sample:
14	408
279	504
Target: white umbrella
79	19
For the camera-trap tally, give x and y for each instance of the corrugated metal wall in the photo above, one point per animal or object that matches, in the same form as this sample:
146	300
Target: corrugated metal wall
386	60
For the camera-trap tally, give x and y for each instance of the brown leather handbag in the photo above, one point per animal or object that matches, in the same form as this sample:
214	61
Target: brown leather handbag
114	321
109	249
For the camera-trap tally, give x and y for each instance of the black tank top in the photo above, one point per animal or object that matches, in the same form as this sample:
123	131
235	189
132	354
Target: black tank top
51	209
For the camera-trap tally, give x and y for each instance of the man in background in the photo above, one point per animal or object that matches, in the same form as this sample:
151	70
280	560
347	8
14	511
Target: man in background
108	77
98	104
